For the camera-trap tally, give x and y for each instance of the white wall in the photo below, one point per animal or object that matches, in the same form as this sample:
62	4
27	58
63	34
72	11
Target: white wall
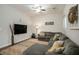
72	34
10	15
56	18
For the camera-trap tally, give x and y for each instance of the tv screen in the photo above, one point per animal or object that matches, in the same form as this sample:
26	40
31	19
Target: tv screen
19	28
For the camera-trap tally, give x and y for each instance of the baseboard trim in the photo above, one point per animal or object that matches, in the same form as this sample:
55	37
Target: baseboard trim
5	47
21	41
12	45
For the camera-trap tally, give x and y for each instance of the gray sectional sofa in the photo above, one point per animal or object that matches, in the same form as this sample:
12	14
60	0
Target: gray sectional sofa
70	48
45	36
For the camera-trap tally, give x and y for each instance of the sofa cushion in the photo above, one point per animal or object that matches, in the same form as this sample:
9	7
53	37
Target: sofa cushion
70	48
48	33
57	46
42	34
63	37
71	51
50	43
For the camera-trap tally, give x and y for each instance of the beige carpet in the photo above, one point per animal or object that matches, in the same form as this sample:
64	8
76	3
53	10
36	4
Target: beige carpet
20	47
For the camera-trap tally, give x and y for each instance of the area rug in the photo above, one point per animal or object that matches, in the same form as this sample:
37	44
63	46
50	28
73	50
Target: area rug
36	49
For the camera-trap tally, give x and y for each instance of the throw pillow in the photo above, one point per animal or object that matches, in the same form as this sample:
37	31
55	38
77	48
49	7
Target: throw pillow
50	43
56	37
58	45
59	50
53	39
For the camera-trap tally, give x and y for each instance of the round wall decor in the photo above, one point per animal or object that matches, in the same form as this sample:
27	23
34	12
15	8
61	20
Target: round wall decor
73	14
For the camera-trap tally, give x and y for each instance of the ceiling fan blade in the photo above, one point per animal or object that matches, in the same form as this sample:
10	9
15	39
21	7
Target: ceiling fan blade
43	10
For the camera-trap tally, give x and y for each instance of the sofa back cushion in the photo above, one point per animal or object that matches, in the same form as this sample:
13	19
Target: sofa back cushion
49	33
42	34
63	37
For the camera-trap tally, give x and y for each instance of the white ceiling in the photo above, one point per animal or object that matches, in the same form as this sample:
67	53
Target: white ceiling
50	8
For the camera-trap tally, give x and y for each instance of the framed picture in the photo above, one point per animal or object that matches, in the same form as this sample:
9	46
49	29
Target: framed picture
49	23
73	18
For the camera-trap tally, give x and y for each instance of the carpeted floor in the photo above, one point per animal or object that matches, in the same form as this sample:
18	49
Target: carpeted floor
20	47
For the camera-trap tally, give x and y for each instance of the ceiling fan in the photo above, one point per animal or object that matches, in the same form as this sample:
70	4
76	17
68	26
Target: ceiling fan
38	8
42	8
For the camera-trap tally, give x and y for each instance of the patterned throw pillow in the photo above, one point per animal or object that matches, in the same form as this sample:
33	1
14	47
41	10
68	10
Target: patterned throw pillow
56	37
57	46
53	39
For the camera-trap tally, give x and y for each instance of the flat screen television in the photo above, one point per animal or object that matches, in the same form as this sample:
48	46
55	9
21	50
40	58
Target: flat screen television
20	29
